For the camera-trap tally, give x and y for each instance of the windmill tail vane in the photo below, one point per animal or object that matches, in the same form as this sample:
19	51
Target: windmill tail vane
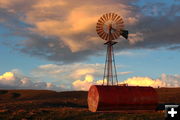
124	33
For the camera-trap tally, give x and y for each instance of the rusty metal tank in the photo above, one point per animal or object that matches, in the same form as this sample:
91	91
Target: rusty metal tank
117	98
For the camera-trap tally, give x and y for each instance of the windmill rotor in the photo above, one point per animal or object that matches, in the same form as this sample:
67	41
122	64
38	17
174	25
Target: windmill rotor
110	26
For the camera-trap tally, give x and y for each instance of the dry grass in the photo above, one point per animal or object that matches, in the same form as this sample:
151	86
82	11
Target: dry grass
50	105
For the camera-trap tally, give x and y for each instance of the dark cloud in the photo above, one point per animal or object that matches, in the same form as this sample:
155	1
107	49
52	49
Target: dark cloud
158	31
51	48
57	34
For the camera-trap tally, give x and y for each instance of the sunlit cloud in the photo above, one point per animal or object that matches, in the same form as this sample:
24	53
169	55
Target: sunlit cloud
87	82
50	26
14	80
83	84
77	76
7	76
144	81
164	81
68	73
80	20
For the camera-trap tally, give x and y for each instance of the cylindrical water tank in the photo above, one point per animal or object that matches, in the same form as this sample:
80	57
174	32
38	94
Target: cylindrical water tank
117	98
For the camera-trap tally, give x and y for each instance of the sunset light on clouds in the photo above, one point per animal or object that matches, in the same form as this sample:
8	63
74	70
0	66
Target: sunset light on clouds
53	44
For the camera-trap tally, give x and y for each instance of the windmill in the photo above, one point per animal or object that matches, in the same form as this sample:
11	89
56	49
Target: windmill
110	27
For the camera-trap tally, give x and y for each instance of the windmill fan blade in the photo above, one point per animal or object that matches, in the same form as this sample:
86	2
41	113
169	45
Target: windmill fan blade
110	27
124	33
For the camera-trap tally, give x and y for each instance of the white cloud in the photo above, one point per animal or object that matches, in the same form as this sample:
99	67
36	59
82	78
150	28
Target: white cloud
144	81
78	73
9	79
86	83
124	53
83	84
135	37
16	80
124	73
69	71
164	81
66	74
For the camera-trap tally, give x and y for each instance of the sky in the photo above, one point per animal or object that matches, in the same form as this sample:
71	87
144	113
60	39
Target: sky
53	44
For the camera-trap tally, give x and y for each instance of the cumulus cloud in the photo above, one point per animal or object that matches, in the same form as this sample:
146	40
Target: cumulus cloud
77	76
83	84
164	81
144	81
9	79
86	83
68	73
15	80
64	30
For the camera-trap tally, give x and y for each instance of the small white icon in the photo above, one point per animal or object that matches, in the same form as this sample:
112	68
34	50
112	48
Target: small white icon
172	112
